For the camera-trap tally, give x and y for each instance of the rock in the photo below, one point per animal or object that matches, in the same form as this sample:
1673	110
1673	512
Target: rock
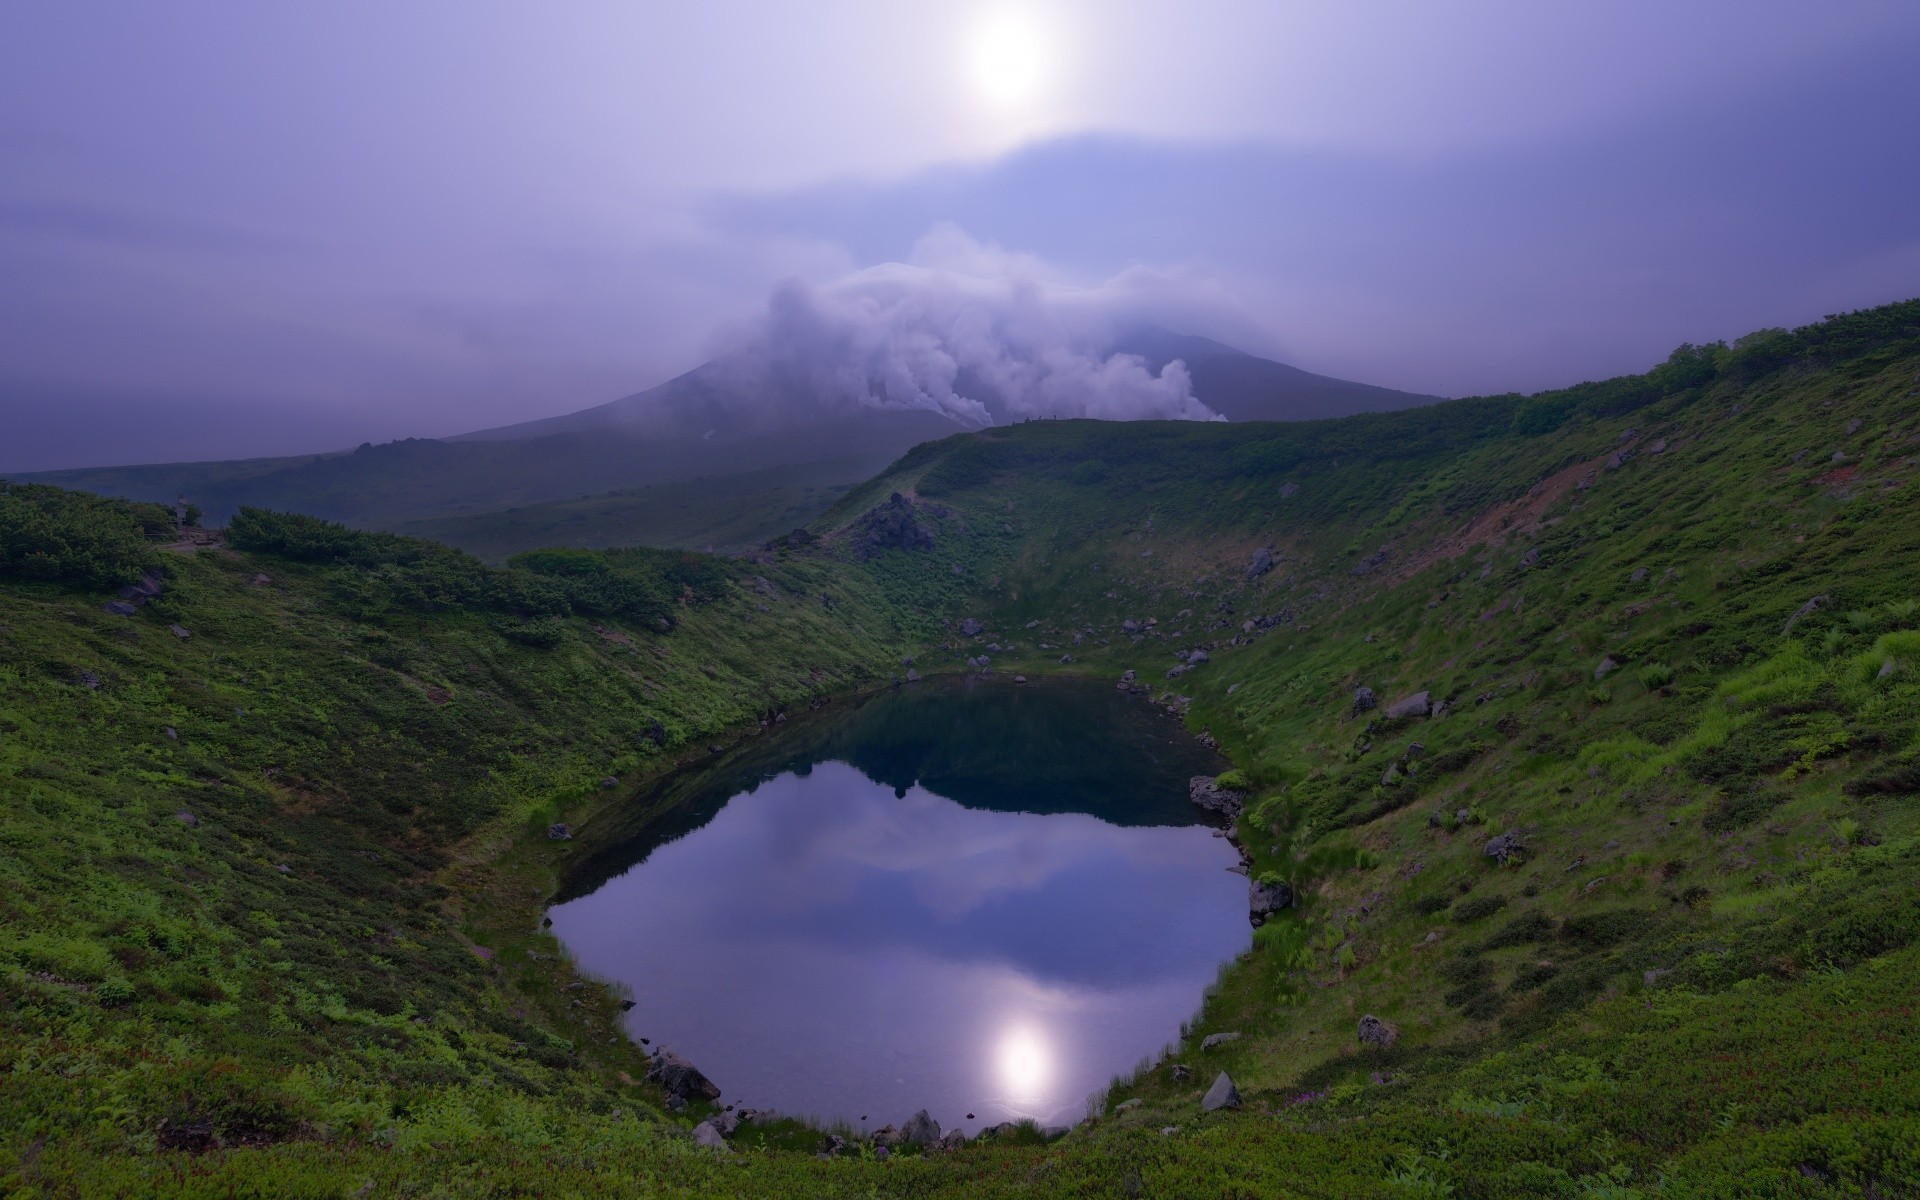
1363	699
655	733
886	1136
1181	1072
1376	1032
1197	657
1221	1095
921	1130
1019	678
120	608
835	1144
1504	846
1128	676
1415	750
1853	426
1127	1105
1607	667
1205	793
882	1154
681	1078
262	580
1065	659
1530	558
1289	490
706	1135
1886	669
953	1139
676	1103
1177	672
913	676
186	818
1839	456
179	632
1616	460
1802	611
971	628
1261	564
728	1122
1416	705
559	832
173	735
1219	1039
1265	899
609	781
1639	575
1391	776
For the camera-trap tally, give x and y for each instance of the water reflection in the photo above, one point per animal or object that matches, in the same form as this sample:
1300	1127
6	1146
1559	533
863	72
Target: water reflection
829	944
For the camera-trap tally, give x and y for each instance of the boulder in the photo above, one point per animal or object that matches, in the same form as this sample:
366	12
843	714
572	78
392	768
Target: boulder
971	628
1265	899
610	781
1219	1039
921	1130
1416	705
1221	1095
705	1134
1205	793
1376	1032
1181	1072
559	832
1261	564
1363	700
1197	657
1607	667
1504	846
953	1139
681	1078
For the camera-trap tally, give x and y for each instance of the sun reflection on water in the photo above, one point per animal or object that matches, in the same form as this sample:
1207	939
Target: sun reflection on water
1024	1063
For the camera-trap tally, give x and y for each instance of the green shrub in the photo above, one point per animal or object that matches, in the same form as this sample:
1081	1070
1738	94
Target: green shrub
1477	908
75	538
1655	676
1599	930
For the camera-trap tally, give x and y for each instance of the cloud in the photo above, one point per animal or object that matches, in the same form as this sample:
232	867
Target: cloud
967	330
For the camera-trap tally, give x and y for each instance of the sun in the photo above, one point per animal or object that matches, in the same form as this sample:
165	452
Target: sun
1008	58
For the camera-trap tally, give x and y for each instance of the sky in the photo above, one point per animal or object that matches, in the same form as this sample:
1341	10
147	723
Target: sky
229	228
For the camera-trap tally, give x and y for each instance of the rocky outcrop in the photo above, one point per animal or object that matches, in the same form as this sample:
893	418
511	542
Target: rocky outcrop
1376	1032
921	1130
1363	700
1206	793
708	1136
1221	1095
971	628
892	526
681	1078
1261	564
559	832
1505	846
1264	898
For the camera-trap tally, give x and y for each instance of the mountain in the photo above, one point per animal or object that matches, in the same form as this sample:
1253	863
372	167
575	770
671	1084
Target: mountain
707	424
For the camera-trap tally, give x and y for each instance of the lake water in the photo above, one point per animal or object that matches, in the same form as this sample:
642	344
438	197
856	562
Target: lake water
970	897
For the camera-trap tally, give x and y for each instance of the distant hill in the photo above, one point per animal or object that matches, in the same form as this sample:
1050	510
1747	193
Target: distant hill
706	423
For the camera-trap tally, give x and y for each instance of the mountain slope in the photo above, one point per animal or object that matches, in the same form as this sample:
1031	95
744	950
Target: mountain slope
1636	918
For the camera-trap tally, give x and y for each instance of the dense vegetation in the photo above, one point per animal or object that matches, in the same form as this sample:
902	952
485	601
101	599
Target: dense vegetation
1641	905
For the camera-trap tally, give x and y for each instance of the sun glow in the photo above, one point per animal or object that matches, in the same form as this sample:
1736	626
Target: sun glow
1024	1061
1008	58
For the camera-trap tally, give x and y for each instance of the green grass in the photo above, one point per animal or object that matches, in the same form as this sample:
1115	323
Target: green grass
1694	978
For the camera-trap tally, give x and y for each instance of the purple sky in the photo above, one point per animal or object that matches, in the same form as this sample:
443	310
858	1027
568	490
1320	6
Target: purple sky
233	228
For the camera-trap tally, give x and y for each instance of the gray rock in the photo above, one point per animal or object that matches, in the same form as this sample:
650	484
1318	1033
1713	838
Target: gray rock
953	1139
1197	657
1363	699
186	818
1261	564
1181	1072
559	832
1659	447
1265	899
1639	575
1219	1039
1416	705
1288	490
1607	667
179	632
1504	846
1839	456
1415	750
1853	426
1376	1032
1886	669
120	608
1127	1105
1221	1095
1802	611
1530	558
610	781
681	1078
913	676
1209	795
921	1130
1177	672
1391	776
1616	460
676	1103
1065	659
173	735
971	628
709	1137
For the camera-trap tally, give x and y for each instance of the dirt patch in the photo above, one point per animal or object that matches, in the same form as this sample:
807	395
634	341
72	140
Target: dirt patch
1523	514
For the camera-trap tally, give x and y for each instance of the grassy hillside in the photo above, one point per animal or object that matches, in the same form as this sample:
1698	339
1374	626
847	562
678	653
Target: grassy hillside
728	513
1670	644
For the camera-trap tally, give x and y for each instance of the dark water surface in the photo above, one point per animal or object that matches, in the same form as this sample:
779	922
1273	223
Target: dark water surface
968	897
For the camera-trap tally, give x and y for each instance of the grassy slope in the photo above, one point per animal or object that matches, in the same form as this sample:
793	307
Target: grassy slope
1745	825
728	513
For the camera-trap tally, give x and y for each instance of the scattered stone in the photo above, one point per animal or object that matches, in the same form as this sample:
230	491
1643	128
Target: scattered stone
186	818
971	628
179	632
681	1078
559	832
1615	460
1197	657
921	1130
1170	1130
1839	456
173	735
1376	1032
1261	564
1363	700
120	608
1219	1039
1853	426
913	676
1416	705
1658	447
1504	846
1221	1095
1886	669
1181	1072
1607	667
